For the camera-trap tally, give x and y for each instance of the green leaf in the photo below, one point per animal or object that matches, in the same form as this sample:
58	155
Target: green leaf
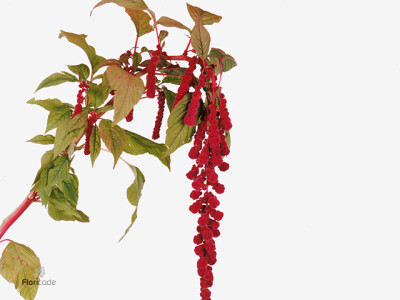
163	35
48	104
60	170
228	62
224	61
200	39
134	191
128	91
81	70
47	163
42	139
137	144
178	133
69	187
132	4
56	79
69	129
104	109
174	71
169	97
206	17
172	79
141	20
113	137
228	138
133	219
80	41
17	264
136	60
95	144
97	94
60	209
168	22
56	116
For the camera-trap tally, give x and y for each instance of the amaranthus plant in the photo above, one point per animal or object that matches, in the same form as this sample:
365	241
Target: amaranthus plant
108	90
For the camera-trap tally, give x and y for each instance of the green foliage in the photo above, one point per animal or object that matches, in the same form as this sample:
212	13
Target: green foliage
18	263
56	79
136	60
163	35
114	138
68	130
137	144
141	20
169	97
200	39
80	41
223	61
128	91
81	70
61	209
97	94
228	138
42	139
132	4
57	115
178	133
60	170
59	111
168	22
206	17
172	79
134	192
95	144
69	187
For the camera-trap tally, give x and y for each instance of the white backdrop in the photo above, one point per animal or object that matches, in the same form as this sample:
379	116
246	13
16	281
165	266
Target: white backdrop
312	201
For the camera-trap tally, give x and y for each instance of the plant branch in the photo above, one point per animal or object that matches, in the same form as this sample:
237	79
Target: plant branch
17	213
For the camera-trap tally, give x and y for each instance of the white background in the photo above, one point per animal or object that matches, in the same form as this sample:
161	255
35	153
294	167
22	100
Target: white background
312	201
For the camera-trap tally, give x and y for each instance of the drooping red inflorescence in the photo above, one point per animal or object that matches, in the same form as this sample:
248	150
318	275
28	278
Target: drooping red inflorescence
89	129
151	73
160	114
208	150
185	81
191	116
83	87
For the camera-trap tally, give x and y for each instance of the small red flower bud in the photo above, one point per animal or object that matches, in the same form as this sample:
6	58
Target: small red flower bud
224	166
202	263
203	220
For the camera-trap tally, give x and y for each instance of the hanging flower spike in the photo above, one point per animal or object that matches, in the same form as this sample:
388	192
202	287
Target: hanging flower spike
83	87
226	123
185	81
89	129
160	114
191	115
151	73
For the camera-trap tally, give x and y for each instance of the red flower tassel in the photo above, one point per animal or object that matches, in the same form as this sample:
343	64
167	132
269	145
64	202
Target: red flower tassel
160	114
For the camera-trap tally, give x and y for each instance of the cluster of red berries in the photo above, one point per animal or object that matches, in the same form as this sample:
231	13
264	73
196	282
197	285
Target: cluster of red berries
208	150
89	129
187	78
83	87
151	72
160	115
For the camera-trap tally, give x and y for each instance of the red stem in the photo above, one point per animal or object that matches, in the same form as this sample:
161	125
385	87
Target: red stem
17	213
187	47
5	240
178	57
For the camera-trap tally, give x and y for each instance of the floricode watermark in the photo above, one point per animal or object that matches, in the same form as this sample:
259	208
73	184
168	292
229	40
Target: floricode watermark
39	274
